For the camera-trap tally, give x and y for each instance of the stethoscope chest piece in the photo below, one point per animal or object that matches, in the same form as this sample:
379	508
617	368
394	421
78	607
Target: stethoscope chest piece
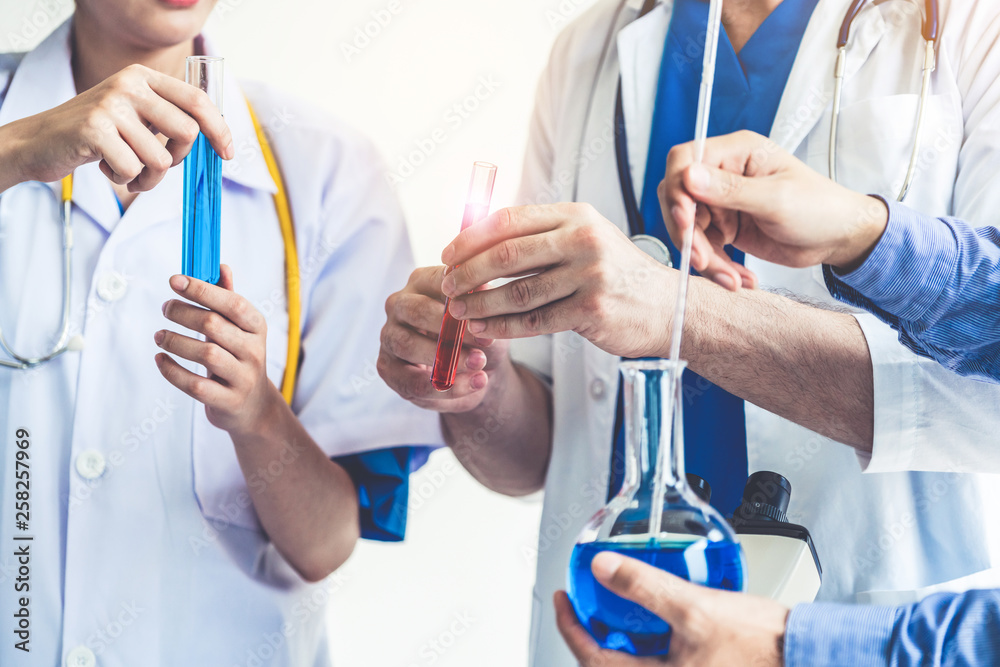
655	248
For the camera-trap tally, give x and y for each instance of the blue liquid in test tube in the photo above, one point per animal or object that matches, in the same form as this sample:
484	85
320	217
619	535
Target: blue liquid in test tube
201	254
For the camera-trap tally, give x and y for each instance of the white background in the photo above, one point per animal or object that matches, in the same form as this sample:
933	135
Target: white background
468	551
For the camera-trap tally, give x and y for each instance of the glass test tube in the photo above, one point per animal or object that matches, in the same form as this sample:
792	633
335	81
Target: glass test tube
449	346
203	183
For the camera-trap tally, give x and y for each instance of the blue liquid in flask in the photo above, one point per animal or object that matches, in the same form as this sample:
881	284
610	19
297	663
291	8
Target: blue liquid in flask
622	625
202	212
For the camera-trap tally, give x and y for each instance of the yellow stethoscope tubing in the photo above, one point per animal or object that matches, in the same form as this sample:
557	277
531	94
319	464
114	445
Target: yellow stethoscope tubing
292	276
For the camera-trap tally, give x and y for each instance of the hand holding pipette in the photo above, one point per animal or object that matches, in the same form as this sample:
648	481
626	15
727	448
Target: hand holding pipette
757	197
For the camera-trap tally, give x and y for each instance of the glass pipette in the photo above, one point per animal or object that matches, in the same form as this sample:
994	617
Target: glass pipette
700	136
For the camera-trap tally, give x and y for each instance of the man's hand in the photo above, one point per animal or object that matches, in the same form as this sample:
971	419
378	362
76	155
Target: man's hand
237	393
753	195
583	275
710	628
116	123
409	343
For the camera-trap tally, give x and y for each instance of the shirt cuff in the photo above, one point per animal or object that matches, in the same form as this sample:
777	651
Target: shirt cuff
908	269
382	478
826	634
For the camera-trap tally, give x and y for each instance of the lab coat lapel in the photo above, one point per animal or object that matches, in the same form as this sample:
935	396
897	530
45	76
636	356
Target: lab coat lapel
640	51
809	91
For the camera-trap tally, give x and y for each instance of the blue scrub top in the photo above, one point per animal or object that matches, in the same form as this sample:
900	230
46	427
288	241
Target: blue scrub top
748	90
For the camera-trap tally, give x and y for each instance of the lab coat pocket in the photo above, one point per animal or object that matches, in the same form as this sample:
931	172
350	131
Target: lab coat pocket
222	490
875	144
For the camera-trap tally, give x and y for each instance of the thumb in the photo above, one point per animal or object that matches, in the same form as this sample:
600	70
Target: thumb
226	278
725	189
660	592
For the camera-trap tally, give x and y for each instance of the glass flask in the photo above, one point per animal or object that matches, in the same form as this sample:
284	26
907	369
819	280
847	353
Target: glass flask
687	537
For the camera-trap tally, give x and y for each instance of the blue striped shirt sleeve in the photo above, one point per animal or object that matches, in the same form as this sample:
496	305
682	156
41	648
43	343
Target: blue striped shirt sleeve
937	282
945	629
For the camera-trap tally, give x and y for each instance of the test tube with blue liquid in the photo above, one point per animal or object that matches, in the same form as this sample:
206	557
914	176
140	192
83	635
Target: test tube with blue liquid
203	183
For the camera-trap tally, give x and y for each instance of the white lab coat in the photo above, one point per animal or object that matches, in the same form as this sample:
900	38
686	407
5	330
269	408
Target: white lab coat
161	560
883	535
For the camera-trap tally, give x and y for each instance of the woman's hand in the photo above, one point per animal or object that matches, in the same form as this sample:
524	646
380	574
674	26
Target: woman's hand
237	393
710	628
117	123
753	195
409	344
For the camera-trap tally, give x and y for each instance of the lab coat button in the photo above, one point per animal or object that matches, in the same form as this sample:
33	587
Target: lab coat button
90	464
81	656
598	388
111	286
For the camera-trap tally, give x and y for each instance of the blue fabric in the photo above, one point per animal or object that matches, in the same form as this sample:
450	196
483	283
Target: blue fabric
937	282
748	90
382	478
121	207
943	629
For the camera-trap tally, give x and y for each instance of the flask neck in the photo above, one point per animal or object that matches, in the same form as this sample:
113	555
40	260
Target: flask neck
654	429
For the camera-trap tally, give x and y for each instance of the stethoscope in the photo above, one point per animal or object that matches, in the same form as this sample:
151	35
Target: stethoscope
637	226
66	343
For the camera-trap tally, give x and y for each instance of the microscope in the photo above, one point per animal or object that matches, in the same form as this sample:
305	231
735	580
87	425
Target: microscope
782	563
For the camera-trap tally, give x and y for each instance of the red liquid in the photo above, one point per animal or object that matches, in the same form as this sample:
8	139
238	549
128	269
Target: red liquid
449	347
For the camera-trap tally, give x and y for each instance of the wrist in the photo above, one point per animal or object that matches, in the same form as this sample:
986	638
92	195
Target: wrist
266	421
872	218
11	157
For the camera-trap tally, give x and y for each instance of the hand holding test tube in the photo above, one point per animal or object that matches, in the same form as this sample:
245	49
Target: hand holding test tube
449	346
201	252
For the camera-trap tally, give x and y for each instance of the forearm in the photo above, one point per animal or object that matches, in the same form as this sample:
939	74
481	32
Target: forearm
808	365
307	503
506	442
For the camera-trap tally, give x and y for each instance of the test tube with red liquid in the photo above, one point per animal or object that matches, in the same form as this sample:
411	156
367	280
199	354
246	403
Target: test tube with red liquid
449	347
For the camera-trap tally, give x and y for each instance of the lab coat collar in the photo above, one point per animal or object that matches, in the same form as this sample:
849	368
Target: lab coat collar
248	168
51	63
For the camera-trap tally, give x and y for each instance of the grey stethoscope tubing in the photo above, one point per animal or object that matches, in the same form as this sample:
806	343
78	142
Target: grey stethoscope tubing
930	34
64	342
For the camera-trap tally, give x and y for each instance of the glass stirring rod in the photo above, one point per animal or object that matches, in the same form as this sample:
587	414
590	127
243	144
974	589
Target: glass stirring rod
700	136
449	347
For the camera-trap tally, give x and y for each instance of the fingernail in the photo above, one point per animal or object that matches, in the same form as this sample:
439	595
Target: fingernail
230	151
477	326
163	308
700	178
457	309
448	285
476	360
677	213
605	564
478	381
179	283
447	254
726	281
159	336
